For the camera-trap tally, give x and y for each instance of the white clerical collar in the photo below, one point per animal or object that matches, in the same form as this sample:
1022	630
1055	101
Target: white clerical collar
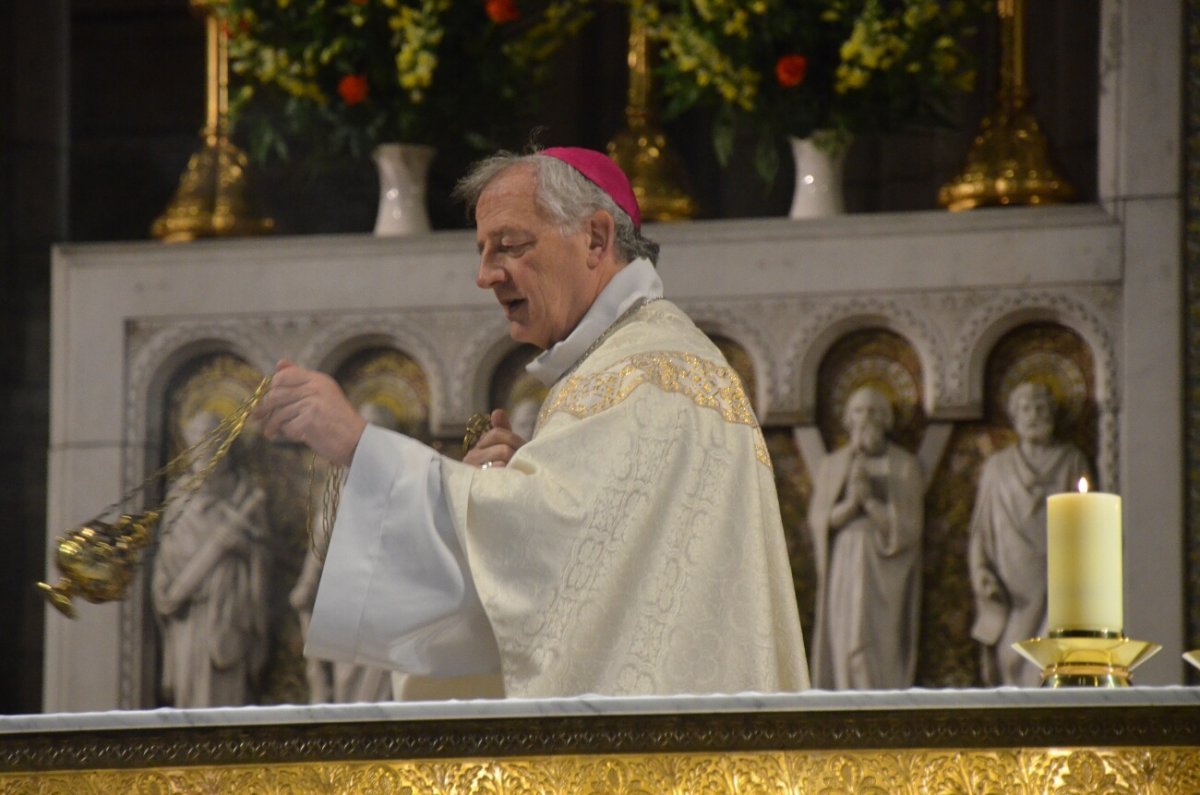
637	280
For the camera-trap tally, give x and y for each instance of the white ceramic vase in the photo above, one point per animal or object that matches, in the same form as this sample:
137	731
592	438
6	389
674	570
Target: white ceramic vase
403	174
820	162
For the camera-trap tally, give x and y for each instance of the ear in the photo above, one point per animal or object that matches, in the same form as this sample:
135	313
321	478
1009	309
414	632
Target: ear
602	237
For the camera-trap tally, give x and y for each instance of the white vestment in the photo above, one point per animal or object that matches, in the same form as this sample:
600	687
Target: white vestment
633	546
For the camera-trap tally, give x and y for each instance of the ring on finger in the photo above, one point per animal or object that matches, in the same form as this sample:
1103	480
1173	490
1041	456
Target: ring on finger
488	465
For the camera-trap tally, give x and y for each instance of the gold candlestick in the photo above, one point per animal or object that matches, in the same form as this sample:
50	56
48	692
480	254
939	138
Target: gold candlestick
211	198
1192	657
641	149
1086	658
1009	161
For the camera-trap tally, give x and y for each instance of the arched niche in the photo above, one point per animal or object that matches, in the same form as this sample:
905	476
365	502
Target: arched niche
341	342
1040	350
745	365
812	351
984	330
748	350
388	387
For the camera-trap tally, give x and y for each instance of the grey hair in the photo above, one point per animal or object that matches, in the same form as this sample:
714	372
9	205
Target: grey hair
566	197
880	399
1035	389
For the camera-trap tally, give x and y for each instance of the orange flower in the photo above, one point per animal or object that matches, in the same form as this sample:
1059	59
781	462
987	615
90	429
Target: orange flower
790	70
501	11
352	89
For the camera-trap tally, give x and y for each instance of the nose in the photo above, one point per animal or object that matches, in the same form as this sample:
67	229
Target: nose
489	275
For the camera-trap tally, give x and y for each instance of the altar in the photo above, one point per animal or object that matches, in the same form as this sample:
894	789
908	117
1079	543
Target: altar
1138	740
946	289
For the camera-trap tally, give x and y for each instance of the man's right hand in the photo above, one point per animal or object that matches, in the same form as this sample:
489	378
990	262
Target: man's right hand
497	446
308	406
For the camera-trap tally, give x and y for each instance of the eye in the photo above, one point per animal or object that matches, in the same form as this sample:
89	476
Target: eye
514	249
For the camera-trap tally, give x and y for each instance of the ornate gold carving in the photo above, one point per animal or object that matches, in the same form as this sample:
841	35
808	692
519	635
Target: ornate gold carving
1063	771
705	383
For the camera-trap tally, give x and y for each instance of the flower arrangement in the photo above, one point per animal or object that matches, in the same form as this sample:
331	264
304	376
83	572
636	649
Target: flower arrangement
798	67
341	76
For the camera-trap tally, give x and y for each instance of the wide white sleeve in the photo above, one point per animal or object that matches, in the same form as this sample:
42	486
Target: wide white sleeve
396	592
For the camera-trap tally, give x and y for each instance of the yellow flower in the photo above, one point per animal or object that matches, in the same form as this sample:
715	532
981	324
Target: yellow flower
850	78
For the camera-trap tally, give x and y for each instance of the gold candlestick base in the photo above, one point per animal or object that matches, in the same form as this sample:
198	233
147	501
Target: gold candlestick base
211	199
1085	659
1008	164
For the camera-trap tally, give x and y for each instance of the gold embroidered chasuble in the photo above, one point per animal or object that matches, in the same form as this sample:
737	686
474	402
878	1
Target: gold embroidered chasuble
634	545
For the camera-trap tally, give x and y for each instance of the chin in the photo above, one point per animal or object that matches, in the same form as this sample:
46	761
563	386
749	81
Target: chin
523	335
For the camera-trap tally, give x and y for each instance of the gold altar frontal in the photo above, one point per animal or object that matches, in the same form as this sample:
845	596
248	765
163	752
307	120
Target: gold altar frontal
1114	748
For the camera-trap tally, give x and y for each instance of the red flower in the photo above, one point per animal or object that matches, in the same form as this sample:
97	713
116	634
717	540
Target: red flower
501	11
352	89
790	69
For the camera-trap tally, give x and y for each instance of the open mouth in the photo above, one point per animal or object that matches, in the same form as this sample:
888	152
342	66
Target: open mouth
513	306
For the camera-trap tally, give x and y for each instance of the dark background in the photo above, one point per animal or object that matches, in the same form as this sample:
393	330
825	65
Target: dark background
101	103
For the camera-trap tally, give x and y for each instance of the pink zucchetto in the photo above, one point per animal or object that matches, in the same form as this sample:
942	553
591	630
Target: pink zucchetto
602	172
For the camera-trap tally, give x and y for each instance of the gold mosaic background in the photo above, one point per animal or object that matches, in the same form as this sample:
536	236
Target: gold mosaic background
879	357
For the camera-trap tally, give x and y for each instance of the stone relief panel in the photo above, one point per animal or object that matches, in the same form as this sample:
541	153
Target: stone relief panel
898	342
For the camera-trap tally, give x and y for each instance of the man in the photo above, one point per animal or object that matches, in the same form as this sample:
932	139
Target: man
1007	552
867	520
632	546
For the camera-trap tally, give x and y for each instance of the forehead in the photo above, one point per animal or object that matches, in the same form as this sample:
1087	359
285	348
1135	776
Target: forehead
508	200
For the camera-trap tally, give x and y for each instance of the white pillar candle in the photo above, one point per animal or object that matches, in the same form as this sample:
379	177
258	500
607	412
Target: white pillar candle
1083	562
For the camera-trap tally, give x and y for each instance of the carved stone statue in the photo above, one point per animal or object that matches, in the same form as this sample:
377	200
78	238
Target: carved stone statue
867	521
209	583
336	682
1007	553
